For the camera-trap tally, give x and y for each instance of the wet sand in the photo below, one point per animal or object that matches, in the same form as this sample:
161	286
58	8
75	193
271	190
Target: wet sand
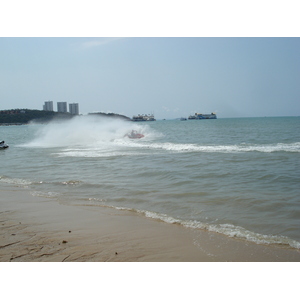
37	229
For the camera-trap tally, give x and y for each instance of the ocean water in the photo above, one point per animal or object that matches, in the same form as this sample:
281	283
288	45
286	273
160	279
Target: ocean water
239	177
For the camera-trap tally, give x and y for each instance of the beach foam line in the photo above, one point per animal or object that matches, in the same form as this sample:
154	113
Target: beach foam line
229	230
43	230
15	181
226	229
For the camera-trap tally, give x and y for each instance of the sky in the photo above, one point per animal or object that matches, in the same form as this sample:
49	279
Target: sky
170	77
171	73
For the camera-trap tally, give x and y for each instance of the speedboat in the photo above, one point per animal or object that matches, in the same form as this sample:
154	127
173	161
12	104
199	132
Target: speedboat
3	145
134	135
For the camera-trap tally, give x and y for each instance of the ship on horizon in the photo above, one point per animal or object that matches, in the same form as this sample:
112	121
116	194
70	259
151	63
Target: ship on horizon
197	116
143	118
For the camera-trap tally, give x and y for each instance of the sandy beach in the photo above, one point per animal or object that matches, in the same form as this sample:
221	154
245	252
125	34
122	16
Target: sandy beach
37	229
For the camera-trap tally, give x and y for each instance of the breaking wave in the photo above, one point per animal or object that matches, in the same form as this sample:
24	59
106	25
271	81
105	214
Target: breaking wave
226	229
15	181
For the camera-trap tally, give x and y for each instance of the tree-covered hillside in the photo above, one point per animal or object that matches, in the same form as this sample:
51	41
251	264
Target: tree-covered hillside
24	116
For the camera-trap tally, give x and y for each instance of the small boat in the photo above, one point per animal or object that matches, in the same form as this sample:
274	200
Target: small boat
3	145
134	135
183	119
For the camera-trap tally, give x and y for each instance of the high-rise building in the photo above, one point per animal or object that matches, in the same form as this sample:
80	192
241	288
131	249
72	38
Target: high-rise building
74	109
48	106
62	107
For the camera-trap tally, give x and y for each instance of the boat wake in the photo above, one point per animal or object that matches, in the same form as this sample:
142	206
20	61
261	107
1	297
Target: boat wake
84	132
265	148
90	136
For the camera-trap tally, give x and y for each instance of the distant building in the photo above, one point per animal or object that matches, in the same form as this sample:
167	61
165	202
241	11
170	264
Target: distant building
48	106
74	108
62	107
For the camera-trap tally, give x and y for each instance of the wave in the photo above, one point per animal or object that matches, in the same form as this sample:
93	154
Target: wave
226	229
15	181
267	148
44	194
26	183
125	147
90	136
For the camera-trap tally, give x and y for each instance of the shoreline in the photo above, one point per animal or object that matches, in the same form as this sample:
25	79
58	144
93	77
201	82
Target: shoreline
37	229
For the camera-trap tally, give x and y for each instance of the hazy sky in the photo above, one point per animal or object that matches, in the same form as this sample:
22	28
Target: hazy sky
171	77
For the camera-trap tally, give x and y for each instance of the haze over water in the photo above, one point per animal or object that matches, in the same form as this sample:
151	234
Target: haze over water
239	177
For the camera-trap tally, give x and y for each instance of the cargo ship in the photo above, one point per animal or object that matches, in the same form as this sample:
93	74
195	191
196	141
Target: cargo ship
197	116
143	118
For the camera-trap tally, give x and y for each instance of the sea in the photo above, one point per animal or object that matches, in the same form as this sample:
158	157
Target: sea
236	176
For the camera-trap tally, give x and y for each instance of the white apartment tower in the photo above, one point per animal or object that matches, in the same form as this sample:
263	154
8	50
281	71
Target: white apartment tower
48	106
74	109
62	107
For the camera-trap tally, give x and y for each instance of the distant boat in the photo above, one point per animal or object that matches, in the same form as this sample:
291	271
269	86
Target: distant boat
183	119
197	116
143	118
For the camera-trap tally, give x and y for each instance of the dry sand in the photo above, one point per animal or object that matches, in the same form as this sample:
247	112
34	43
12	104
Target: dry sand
37	229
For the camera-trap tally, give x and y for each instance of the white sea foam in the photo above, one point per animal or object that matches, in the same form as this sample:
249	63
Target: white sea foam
267	148
44	194
226	229
90	136
84	131
15	181
120	147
